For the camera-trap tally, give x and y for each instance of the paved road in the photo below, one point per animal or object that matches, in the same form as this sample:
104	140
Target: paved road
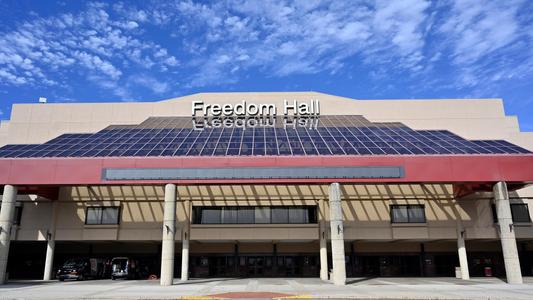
361	288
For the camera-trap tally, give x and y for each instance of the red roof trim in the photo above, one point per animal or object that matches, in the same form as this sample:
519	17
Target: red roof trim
418	168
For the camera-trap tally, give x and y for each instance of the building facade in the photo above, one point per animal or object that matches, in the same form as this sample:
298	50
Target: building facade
268	184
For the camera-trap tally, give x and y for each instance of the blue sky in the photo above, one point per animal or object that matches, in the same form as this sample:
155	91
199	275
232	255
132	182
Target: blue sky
71	51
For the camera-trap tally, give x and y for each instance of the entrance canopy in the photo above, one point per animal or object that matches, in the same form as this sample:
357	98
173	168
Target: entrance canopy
150	170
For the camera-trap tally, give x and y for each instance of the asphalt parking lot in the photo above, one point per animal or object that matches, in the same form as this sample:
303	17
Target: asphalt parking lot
357	288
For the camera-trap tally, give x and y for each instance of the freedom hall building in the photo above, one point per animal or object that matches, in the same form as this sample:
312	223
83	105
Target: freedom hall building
268	185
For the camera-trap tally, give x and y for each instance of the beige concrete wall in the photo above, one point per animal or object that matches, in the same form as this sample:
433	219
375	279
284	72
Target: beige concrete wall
35	221
4	131
366	211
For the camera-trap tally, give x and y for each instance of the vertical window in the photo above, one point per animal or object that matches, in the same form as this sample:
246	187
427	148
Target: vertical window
255	215
102	215
297	215
416	214
110	215
312	216
94	215
211	215
408	214
520	213
280	215
262	215
18	215
246	215
494	215
229	215
399	214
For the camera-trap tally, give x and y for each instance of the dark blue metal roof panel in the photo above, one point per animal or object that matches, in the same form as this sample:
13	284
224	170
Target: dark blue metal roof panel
229	136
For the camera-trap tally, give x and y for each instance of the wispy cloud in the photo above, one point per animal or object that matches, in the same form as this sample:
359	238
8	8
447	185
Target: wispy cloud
478	28
151	83
488	42
171	46
94	44
303	37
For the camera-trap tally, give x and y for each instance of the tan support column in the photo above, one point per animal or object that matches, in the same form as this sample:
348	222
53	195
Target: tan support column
169	232
323	240
337	235
185	243
50	244
507	234
461	251
7	214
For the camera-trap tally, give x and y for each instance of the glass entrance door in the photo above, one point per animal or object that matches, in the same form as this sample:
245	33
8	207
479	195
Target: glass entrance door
264	265
256	266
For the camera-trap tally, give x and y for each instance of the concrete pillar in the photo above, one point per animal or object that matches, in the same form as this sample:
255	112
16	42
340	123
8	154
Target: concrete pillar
169	232
7	214
461	251
337	235
323	244
50	245
49	262
185	245
507	234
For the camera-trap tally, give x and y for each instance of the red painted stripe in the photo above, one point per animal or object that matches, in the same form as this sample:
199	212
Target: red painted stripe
420	168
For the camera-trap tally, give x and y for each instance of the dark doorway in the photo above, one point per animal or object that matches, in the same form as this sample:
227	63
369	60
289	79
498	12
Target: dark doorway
26	260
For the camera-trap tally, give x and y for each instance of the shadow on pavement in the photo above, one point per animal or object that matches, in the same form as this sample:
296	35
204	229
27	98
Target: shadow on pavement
14	284
360	280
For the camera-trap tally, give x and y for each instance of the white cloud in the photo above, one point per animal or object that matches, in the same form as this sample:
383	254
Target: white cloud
478	28
216	43
151	83
113	86
222	38
488	45
94	42
401	22
302	37
171	61
10	78
95	63
131	25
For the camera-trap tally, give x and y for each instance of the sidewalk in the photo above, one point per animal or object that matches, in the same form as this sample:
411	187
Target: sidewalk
357	288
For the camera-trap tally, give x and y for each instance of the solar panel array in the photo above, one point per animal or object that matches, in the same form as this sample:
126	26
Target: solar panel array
324	135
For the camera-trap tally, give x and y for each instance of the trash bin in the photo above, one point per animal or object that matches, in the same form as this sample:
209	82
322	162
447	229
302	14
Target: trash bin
488	272
458	273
